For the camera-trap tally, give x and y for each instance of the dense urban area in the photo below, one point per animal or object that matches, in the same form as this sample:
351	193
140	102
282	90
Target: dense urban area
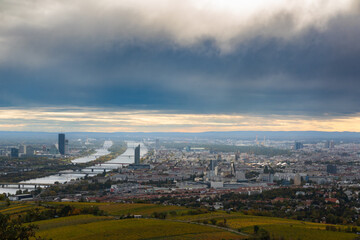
308	180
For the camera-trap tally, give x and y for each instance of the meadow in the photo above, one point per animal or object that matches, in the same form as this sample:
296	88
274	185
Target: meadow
74	228
139	209
179	223
119	209
277	227
17	208
70	221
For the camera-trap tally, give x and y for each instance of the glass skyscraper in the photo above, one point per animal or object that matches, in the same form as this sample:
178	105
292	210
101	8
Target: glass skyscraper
62	143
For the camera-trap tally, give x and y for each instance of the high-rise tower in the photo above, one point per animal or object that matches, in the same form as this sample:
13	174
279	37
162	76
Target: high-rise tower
61	143
137	155
212	165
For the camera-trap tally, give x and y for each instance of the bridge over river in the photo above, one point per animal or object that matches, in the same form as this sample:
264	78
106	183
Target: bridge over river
65	176
24	185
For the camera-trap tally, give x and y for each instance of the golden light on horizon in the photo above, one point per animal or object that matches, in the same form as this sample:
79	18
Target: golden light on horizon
107	120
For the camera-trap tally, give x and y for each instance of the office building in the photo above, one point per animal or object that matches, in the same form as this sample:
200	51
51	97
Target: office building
212	165
14	152
237	156
29	151
66	146
139	166
240	176
61	143
137	155
53	150
329	144
298	146
331	169
266	177
136	165
232	168
22	149
297	180
25	150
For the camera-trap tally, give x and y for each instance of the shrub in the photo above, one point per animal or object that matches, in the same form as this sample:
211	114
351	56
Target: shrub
256	229
213	221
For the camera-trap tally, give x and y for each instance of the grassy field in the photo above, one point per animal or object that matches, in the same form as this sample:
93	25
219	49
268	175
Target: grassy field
74	228
304	232
287	229
118	209
138	208
18	207
207	216
180	224
277	227
69	221
76	204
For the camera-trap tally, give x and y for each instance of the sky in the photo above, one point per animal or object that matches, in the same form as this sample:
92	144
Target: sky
184	66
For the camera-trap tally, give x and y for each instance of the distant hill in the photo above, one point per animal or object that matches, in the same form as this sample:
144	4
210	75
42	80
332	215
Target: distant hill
245	135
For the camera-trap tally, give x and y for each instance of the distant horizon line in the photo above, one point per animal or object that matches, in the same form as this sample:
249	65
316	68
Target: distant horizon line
316	131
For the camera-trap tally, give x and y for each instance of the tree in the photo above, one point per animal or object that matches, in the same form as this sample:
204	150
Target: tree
256	229
7	202
213	221
14	230
2	197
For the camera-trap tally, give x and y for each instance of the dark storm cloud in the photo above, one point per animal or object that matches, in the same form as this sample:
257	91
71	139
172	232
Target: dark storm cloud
315	71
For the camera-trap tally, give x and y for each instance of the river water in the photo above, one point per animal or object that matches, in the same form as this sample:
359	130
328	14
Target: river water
65	176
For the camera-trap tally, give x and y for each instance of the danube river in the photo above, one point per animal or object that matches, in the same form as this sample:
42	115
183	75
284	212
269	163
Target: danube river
65	176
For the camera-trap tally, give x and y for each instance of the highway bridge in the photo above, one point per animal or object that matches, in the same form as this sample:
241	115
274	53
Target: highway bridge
22	185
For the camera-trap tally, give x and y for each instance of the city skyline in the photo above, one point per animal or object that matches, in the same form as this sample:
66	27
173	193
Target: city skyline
189	66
